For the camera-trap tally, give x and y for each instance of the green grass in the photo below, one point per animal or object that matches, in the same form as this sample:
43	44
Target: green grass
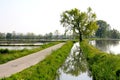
103	66
47	69
7	55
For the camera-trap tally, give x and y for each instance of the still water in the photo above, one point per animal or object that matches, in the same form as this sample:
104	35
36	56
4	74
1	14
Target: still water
109	46
19	46
75	66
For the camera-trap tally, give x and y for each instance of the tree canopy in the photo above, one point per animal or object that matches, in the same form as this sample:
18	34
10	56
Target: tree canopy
105	31
81	23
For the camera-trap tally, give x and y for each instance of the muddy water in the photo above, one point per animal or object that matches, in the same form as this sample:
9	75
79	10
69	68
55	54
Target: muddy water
75	66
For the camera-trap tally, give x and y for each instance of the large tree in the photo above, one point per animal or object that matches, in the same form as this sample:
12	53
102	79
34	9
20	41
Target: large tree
114	34
103	30
81	23
9	36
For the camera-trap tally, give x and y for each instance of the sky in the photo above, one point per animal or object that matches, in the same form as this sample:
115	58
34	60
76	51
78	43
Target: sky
43	16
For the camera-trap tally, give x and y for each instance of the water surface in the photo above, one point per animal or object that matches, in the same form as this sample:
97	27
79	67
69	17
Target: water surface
109	46
19	46
75	66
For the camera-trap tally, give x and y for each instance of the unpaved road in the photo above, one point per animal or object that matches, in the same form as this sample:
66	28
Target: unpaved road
20	64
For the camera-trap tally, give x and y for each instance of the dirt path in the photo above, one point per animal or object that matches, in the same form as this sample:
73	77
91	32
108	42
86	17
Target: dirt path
20	64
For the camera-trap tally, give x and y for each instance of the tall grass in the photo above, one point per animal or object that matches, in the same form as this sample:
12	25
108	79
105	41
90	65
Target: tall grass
47	69
7	55
103	66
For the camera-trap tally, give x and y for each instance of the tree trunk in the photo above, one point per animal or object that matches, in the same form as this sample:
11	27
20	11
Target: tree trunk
80	37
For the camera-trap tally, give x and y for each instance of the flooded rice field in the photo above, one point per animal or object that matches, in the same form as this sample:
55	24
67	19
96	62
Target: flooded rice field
19	46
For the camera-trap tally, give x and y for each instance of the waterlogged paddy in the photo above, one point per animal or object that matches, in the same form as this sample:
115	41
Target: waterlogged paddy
19	46
75	66
109	46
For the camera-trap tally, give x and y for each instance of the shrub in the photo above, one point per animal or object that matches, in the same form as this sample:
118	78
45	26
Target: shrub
4	51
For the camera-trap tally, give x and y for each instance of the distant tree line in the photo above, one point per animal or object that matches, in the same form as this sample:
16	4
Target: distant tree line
105	31
47	36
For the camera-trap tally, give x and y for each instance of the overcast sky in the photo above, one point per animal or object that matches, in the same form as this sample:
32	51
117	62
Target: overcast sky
43	16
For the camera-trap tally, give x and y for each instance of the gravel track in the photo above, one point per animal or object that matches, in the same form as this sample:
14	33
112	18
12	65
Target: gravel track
22	63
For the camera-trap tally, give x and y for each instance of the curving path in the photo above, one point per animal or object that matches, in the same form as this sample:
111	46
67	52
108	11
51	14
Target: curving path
20	64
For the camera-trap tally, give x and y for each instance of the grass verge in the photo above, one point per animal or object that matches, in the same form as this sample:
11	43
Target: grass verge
103	66
7	55
46	69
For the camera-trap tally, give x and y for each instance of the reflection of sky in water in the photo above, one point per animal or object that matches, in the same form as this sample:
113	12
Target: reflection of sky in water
17	47
110	46
22	43
20	46
83	76
75	67
115	49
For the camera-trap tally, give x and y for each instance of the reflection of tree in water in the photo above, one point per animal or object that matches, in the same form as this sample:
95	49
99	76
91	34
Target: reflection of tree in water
105	44
75	63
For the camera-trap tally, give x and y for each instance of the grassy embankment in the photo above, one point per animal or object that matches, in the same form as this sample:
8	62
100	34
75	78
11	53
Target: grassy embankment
46	69
7	55
103	66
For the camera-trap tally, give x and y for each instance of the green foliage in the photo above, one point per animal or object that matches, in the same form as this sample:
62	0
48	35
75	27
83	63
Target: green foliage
4	51
8	36
103	66
46	69
114	34
105	31
7	55
81	23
